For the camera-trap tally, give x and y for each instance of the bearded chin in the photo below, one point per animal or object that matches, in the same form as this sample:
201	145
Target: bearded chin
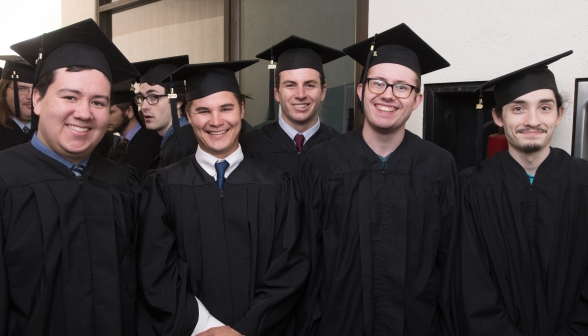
531	148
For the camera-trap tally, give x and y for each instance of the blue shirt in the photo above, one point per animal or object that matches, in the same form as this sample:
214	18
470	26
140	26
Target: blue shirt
170	131
129	136
43	149
20	124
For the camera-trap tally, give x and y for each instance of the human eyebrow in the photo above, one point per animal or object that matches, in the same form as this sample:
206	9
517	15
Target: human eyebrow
102	97
227	105
547	100
202	109
70	91
150	91
519	102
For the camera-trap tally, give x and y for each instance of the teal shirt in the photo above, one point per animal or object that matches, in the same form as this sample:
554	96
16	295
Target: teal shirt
384	158
531	178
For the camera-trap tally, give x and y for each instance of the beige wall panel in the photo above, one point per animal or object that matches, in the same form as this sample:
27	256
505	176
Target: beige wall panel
169	28
73	11
485	39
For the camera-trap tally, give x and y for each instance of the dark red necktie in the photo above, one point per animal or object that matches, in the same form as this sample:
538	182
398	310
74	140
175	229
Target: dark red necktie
299	140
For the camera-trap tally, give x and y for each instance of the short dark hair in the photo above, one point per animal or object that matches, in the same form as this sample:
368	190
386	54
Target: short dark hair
277	80
5	112
559	101
48	78
240	100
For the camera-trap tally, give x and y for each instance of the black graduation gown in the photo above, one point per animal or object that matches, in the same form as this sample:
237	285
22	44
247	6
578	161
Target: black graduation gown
384	237
168	154
141	150
105	144
239	253
273	147
13	135
67	262
523	253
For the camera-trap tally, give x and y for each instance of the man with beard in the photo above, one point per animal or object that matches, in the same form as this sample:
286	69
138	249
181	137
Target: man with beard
522	266
299	88
381	205
68	215
136	145
162	105
217	229
15	102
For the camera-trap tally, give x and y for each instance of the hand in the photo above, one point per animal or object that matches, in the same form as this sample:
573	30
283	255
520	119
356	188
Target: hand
220	331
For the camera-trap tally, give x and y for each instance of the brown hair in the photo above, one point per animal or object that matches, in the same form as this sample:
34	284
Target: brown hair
240	100
48	78
5	112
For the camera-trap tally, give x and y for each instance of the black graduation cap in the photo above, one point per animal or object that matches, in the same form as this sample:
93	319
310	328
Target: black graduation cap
122	92
513	85
207	78
398	45
296	53
17	70
153	71
79	44
520	82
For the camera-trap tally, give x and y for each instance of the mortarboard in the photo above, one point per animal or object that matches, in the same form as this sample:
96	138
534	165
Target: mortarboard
17	70
513	85
207	78
398	45
153	71
296	53
122	92
79	44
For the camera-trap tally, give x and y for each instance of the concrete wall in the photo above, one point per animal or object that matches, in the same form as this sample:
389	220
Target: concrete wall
485	39
73	11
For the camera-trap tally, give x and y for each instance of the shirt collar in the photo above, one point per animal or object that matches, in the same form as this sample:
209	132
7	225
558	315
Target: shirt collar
207	161
170	130
45	150
20	124
292	132
129	136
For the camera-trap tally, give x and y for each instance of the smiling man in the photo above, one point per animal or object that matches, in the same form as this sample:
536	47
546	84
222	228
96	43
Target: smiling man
523	259
218	231
381	206
300	88
15	102
67	215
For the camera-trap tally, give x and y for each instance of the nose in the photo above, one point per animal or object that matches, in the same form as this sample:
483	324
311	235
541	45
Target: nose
532	118
215	120
388	94
300	92
83	111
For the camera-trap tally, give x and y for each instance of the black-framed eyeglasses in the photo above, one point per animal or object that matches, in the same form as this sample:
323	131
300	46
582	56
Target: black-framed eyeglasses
399	90
22	89
151	99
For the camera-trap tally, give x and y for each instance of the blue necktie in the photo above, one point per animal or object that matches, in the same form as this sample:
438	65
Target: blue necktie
221	167
78	169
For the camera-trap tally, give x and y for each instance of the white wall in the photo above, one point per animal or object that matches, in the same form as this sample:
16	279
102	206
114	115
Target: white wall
24	19
485	39
77	10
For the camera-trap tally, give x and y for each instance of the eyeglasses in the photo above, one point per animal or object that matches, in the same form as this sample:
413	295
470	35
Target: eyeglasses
399	90
22	89
151	99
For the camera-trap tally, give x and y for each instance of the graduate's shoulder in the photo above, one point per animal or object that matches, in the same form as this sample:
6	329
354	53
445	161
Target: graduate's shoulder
258	139
570	168
328	132
256	172
110	172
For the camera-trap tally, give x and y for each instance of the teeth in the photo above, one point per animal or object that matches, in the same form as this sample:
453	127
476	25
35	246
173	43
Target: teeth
218	133
79	129
300	105
385	108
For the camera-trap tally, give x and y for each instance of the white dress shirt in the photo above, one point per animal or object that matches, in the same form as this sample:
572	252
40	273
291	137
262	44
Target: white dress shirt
207	161
292	132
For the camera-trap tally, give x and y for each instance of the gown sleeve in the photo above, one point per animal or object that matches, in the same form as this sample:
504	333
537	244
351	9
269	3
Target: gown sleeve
447	247
478	301
577	322
313	174
3	276
279	289
166	303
